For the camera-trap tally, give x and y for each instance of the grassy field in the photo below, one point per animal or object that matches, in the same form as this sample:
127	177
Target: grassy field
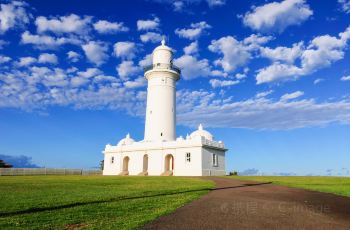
93	202
336	185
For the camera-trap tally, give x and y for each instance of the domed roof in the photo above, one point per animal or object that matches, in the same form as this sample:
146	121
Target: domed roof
201	133
163	46
126	141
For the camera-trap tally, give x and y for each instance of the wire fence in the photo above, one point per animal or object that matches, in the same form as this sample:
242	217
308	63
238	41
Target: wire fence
47	171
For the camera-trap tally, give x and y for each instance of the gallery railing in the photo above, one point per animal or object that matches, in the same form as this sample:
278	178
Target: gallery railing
163	66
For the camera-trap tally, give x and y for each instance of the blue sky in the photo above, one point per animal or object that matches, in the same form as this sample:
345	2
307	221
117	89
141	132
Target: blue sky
269	78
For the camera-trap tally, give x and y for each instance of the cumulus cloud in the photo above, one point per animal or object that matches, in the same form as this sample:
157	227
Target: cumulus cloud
96	52
126	69
26	61
137	83
64	24
151	37
45	41
146	61
150	24
236	53
282	53
194	32
73	56
216	83
106	27
345	78
13	15
345	5
4	59
192	68
48	58
125	50
289	96
321	52
277	16
191	48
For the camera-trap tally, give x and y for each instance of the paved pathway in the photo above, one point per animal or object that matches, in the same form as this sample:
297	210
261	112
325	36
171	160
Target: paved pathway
238	204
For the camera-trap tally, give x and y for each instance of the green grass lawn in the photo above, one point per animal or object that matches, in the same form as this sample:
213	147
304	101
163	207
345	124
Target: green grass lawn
93	202
336	185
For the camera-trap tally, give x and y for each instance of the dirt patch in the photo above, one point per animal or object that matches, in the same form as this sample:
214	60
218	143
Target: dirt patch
238	204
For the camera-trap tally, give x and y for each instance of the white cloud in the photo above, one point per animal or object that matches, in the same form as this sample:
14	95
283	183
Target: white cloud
277	72
318	80
184	5
277	16
137	83
26	61
321	52
125	50
191	48
283	53
96	52
126	69
73	56
48	58
213	3
289	96
4	59
89	73
196	30
64	24
151	37
192	68
235	54
215	83
345	5
263	94
13	15
106	27
345	78
151	24
258	113
146	61
45	41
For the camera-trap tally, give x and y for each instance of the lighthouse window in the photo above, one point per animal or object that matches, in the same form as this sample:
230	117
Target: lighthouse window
161	134
112	160
215	159
188	157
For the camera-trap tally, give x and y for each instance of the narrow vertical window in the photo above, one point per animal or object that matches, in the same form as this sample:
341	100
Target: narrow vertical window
215	159
188	157
112	160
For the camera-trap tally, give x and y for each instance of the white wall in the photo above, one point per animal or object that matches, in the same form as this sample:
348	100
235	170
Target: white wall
156	162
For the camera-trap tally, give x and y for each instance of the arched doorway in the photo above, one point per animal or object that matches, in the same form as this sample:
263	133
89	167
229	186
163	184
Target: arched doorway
145	163
125	166
168	165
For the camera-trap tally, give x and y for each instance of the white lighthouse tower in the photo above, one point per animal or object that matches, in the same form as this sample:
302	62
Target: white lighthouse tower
161	96
161	152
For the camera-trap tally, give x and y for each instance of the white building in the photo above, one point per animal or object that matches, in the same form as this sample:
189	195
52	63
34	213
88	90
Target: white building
161	153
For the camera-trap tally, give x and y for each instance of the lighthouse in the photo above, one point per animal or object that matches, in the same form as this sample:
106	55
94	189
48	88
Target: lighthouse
162	75
161	153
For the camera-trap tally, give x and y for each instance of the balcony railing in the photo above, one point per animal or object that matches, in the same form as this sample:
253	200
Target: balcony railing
163	66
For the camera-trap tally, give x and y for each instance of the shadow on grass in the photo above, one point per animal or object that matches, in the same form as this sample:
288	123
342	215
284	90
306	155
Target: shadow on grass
35	210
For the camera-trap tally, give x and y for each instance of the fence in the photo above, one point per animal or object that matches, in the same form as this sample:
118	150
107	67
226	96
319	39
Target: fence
46	171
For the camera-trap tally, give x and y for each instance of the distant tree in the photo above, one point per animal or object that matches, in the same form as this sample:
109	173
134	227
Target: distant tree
102	164
3	164
234	173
